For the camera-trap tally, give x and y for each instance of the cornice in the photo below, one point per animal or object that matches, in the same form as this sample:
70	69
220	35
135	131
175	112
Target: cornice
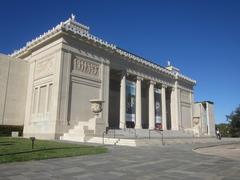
81	30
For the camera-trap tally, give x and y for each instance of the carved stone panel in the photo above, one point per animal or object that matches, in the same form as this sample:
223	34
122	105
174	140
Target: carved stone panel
86	67
44	67
185	96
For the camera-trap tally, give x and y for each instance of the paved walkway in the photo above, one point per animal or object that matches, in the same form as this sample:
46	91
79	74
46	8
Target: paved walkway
231	151
169	162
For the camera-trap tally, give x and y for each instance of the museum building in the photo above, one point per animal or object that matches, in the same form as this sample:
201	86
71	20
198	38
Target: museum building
68	80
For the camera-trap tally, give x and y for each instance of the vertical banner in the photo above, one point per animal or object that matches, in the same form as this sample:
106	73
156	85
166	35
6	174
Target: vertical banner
130	101
158	112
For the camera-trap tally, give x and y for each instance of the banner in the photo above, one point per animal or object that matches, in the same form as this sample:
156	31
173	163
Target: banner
158	112
130	101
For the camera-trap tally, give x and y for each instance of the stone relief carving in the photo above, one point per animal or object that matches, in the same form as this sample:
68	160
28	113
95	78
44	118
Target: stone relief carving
195	121
96	106
44	68
86	67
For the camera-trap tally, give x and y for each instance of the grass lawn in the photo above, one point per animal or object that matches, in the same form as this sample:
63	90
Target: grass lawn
20	149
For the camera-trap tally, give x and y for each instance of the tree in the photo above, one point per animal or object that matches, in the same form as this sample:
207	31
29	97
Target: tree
234	122
224	129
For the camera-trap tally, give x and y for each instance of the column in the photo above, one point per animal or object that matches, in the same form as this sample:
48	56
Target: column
104	93
65	88
192	104
177	121
151	106
122	120
175	125
138	123
164	115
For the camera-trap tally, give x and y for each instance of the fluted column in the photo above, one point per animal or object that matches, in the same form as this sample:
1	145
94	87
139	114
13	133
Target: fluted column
122	120
138	124
151	106
164	114
175	122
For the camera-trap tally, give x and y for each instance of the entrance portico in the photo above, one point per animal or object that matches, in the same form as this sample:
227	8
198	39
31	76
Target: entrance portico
142	102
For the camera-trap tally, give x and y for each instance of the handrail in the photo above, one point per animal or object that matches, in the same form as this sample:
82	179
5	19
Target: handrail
158	131
130	131
103	136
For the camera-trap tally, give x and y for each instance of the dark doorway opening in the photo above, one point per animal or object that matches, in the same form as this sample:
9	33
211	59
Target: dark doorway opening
114	99
168	108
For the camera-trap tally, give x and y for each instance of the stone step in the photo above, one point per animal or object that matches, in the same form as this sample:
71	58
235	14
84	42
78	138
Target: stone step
80	131
112	141
127	142
78	134
144	133
144	142
68	137
99	140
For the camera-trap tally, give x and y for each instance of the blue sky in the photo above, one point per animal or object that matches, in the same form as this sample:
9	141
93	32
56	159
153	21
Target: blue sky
202	38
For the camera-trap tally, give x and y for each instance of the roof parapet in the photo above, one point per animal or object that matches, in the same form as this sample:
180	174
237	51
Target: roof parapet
77	28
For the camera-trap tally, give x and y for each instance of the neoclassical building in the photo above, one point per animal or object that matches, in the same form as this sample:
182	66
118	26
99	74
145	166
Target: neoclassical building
67	67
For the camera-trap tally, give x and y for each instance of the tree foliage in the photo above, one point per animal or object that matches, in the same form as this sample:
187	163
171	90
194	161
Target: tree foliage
224	129
234	122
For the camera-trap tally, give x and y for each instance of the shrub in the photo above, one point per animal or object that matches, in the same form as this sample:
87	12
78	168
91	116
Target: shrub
6	130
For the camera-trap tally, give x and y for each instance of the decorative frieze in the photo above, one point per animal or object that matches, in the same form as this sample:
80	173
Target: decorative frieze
86	67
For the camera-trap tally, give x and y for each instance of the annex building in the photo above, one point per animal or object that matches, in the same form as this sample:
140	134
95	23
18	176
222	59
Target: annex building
68	81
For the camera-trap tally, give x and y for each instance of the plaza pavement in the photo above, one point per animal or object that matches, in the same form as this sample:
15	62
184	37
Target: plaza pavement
168	162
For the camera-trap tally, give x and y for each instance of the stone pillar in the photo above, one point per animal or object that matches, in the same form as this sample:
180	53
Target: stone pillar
192	104
176	121
65	88
122	120
104	93
173	109
164	114
138	123
151	106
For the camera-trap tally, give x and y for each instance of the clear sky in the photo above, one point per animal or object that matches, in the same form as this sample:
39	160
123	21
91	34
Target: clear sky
202	38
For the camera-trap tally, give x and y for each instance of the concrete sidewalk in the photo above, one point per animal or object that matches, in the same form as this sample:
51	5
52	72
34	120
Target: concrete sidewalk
168	162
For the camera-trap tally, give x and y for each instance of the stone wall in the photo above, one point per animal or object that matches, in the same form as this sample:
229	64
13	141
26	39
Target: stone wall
186	109
211	119
13	90
203	116
42	106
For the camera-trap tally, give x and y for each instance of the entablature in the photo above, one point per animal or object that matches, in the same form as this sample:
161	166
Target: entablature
79	31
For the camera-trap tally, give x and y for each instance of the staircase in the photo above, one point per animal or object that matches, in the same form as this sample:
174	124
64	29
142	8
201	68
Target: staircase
82	133
131	137
129	133
78	133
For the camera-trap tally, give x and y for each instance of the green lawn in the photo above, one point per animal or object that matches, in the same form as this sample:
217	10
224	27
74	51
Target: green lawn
20	149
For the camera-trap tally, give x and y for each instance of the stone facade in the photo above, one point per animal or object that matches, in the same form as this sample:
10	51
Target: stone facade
13	90
68	67
203	118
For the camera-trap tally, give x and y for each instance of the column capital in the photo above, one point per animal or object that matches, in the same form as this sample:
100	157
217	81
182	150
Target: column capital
139	78
164	86
174	88
123	73
152	82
